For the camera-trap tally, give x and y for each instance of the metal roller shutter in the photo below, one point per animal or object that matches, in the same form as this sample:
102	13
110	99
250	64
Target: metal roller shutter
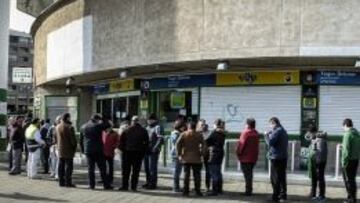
336	104
235	104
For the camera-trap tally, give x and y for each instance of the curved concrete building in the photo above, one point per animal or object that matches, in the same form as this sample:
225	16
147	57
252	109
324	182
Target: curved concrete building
294	59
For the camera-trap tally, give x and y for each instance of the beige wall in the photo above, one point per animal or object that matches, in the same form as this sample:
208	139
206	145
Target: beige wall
139	32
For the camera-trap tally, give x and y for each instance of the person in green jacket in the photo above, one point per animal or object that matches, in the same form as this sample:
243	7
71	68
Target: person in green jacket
350	158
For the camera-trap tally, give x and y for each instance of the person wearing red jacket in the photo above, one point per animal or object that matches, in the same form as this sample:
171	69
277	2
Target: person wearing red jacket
110	140
247	152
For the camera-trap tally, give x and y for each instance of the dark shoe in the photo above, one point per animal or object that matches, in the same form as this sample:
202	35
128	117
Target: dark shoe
71	186
145	185
199	194
134	189
62	185
14	173
123	189
248	194
211	194
150	187
109	188
185	194
92	188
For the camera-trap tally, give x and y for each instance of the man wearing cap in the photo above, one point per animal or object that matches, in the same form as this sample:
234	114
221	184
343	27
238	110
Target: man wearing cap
134	143
92	146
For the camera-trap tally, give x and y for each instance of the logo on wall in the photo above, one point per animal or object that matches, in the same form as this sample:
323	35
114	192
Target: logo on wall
248	78
232	114
288	78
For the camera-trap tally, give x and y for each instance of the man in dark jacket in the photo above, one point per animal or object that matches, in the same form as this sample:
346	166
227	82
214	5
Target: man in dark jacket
92	146
156	140
277	140
17	140
215	145
45	151
66	143
134	142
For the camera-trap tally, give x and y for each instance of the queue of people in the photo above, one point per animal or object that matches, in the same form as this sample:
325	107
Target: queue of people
194	147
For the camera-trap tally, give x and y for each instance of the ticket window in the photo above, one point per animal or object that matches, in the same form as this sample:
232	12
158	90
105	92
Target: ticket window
173	103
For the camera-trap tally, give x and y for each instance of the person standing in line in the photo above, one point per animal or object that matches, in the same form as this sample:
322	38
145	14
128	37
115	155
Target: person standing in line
34	144
92	146
45	151
66	143
156	140
26	124
179	127
54	153
277	140
248	152
317	162
134	143
17	140
110	141
215	145
203	129
190	149
350	159
9	148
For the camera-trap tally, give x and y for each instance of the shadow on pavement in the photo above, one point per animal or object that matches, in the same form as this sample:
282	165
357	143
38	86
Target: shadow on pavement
21	196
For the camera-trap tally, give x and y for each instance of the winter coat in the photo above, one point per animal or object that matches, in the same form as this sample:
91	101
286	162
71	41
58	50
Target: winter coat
248	146
215	146
110	142
66	140
277	140
350	147
190	147
318	148
134	139
91	137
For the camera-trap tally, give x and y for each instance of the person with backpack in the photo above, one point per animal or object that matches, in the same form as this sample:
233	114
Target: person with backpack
179	127
156	140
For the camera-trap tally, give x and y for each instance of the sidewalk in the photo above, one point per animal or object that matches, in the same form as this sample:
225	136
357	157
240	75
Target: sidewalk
21	189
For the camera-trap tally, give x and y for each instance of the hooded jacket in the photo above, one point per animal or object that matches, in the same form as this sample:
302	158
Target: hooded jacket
350	146
277	141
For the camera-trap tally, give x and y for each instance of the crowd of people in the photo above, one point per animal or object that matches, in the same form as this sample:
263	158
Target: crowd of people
194	147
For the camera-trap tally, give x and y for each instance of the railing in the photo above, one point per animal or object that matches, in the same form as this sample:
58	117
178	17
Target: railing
263	162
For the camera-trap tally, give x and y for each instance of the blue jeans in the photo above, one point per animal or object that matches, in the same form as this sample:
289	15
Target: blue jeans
216	178
177	173
151	166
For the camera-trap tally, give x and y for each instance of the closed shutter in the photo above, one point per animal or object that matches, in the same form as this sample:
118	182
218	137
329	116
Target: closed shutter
235	104
336	104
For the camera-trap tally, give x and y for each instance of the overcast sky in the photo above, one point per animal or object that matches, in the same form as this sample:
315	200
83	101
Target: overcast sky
19	21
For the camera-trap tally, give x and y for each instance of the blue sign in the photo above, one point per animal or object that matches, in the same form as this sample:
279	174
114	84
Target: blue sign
101	88
179	82
338	78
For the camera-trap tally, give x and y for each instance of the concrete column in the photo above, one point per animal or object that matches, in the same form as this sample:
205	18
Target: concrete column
4	55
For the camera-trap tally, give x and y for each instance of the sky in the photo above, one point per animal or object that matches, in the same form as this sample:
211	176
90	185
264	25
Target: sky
19	21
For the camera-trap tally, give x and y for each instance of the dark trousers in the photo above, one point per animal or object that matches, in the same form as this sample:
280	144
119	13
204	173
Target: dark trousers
196	168
207	175
216	178
318	178
65	171
151	168
99	160
349	175
131	164
109	165
278	178
45	154
247	169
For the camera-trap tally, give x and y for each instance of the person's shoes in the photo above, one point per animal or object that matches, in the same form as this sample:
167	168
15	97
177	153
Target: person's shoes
92	187
109	188
248	194
123	189
321	199
134	189
185	193
145	186
14	173
71	186
199	194
211	194
151	187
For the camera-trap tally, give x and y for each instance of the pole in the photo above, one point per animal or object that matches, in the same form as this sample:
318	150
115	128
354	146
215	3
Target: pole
4	55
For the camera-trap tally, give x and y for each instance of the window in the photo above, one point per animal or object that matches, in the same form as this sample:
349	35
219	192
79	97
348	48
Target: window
14	39
168	111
